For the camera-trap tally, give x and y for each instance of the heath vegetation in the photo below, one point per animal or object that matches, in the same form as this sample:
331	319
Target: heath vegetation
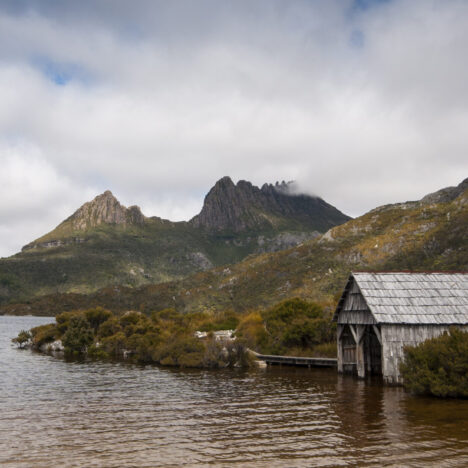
167	337
438	366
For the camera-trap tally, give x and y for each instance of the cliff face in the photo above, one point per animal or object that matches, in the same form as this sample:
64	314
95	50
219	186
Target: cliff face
104	209
245	207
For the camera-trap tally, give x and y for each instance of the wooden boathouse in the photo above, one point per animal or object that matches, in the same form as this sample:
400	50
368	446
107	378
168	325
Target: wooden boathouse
380	313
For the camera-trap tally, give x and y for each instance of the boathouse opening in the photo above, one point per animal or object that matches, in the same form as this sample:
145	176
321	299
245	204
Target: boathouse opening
359	349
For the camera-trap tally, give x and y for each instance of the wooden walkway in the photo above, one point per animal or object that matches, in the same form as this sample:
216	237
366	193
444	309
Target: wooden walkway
297	361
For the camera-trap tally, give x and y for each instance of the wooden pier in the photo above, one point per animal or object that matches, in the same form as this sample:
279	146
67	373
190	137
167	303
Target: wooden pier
297	361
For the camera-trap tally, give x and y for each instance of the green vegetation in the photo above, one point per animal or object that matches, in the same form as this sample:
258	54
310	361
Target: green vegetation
167	337
79	335
292	327
44	334
438	366
22	339
111	255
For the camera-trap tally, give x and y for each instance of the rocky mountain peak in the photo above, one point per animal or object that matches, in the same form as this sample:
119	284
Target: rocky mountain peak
105	209
243	206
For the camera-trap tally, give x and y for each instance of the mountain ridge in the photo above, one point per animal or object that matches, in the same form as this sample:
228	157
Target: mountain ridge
415	236
105	243
242	206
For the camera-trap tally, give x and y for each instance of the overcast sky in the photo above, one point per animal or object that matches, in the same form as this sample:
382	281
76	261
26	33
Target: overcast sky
361	102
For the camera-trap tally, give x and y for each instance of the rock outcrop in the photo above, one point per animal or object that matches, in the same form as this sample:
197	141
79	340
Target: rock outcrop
446	194
105	209
242	207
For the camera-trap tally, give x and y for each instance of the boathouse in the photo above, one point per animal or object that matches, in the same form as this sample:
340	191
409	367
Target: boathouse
380	313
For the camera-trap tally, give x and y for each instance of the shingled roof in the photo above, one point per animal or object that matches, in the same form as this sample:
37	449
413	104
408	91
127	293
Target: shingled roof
413	298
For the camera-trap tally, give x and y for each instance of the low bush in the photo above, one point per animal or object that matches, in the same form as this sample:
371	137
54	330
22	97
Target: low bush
181	350
97	316
438	366
252	331
44	334
292	326
168	336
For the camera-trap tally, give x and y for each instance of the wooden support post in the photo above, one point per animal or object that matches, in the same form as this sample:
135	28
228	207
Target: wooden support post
339	347
360	363
367	356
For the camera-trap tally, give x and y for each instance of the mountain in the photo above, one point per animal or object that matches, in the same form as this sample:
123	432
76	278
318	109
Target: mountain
425	235
105	243
244	207
104	209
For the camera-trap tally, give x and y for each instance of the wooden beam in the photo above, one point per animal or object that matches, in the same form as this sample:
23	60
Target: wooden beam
360	332
353	331
339	331
357	332
377	334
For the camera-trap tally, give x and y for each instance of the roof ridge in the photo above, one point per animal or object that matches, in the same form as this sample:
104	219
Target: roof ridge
407	272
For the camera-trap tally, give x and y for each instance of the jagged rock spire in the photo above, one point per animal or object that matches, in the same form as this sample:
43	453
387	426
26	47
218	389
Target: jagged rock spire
243	206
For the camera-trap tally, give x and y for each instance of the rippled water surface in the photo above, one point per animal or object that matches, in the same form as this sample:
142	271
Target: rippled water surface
55	413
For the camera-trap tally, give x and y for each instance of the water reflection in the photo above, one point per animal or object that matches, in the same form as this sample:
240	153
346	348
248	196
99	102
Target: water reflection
104	414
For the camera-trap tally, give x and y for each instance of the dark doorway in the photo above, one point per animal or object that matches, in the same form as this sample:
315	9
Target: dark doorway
372	352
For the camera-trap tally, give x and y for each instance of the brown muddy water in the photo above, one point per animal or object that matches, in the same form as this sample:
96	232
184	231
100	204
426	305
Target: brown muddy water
55	413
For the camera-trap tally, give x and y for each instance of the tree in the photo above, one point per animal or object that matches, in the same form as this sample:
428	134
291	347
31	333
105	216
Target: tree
78	336
22	339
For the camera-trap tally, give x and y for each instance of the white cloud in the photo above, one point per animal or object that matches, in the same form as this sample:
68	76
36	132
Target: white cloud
162	99
34	196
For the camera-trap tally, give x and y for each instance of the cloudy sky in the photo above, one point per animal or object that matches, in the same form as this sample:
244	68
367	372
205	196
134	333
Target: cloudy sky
362	102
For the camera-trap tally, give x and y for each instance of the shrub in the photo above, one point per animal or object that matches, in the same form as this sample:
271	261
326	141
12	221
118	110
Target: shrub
44	334
96	352
181	350
78	336
252	331
114	345
130	318
63	320
438	366
297	323
109	327
142	345
97	316
22	339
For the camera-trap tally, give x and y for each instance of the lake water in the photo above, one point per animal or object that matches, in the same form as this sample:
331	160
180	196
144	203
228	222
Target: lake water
55	413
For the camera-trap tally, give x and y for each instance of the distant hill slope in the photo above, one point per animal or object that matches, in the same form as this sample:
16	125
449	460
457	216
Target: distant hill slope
104	243
430	234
